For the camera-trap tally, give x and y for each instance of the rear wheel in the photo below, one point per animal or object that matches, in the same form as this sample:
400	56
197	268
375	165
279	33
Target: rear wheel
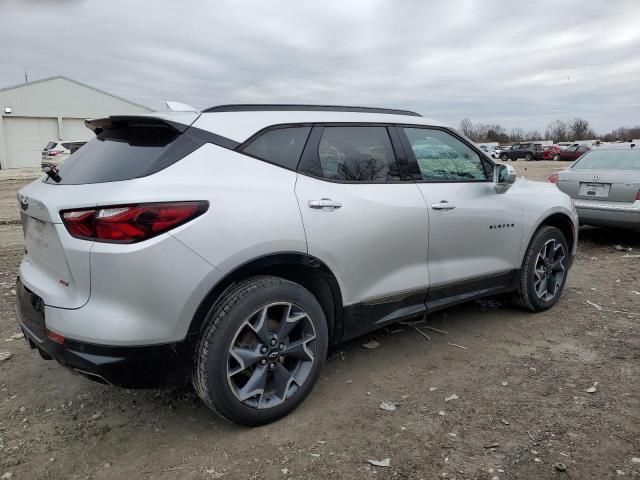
528	157
544	270
504	157
556	157
261	352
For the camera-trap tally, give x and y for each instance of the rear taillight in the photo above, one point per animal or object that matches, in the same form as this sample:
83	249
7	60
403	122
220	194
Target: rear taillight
130	223
53	153
553	178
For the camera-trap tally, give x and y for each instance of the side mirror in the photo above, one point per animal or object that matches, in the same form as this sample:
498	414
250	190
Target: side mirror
504	177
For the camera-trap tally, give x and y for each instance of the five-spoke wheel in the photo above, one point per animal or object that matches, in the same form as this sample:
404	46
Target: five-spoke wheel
549	270
544	270
271	355
261	352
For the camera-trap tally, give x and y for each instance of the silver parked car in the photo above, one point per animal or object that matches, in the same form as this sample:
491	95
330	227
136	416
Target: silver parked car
233	246
605	186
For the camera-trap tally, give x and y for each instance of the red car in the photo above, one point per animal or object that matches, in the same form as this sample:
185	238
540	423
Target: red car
571	153
550	151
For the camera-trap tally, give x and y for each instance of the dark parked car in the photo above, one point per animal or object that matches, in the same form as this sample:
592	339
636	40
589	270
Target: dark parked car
571	153
528	151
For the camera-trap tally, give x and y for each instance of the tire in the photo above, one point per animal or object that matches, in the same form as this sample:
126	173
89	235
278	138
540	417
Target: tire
527	157
556	157
504	157
220	377
529	295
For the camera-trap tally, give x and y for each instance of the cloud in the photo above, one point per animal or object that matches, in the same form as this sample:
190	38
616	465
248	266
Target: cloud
498	61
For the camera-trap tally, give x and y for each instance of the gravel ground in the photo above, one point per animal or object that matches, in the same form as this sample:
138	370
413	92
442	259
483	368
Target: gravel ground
524	404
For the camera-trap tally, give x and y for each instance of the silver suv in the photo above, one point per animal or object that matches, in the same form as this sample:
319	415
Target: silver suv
233	246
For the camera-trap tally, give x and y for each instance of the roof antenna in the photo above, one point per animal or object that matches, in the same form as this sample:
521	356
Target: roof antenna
179	107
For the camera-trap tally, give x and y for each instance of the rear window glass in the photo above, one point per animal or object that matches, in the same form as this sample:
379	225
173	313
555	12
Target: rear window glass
125	152
610	160
50	145
282	146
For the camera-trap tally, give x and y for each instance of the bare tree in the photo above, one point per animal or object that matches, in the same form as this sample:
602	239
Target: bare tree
466	127
517	135
496	133
558	131
480	131
622	134
532	135
579	128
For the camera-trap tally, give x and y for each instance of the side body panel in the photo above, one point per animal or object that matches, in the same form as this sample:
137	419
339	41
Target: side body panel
481	236
540	201
253	208
375	243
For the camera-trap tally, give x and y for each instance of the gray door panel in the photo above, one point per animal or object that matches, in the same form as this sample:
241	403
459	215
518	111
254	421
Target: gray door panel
372	236
481	236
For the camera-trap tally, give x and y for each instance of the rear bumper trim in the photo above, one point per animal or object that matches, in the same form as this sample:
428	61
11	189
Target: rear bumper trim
129	367
611	207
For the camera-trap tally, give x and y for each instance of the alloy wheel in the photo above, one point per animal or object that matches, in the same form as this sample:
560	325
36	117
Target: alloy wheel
271	355
549	270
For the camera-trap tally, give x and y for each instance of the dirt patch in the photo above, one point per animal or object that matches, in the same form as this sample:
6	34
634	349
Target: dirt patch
521	385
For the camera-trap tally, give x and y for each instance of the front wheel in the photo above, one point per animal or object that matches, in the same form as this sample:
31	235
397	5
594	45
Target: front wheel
556	157
544	270
504	157
527	157
261	352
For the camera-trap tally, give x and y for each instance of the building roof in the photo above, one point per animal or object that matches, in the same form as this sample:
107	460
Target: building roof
62	77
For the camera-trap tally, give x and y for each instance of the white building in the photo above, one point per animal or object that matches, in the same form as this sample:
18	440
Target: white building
52	109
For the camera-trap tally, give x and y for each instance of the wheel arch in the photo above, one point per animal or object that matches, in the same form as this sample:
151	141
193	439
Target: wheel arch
560	220
301	268
563	223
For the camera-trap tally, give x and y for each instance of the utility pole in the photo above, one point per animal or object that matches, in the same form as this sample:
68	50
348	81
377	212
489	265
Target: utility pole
26	79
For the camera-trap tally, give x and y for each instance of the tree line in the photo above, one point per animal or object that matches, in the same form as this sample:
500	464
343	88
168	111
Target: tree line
557	131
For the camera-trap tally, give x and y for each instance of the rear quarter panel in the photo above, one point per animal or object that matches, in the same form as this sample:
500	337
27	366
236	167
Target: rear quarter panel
253	208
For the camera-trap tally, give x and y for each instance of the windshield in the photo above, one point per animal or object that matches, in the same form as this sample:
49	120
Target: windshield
609	160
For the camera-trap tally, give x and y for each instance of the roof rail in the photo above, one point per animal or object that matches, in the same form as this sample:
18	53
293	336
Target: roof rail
313	108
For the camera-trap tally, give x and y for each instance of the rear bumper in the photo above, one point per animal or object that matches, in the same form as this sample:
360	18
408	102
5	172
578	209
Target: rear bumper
129	367
612	215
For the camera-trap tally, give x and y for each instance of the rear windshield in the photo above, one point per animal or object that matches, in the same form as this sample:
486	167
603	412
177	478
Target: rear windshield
609	160
125	152
50	145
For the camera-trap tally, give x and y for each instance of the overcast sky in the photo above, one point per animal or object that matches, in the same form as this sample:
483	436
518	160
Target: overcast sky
520	64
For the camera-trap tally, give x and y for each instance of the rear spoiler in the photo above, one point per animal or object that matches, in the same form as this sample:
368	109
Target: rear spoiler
97	125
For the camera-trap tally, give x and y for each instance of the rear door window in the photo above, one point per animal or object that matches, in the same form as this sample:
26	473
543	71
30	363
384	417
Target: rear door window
282	146
354	154
50	146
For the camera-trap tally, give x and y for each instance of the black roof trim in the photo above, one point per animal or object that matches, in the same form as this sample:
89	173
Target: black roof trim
307	108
